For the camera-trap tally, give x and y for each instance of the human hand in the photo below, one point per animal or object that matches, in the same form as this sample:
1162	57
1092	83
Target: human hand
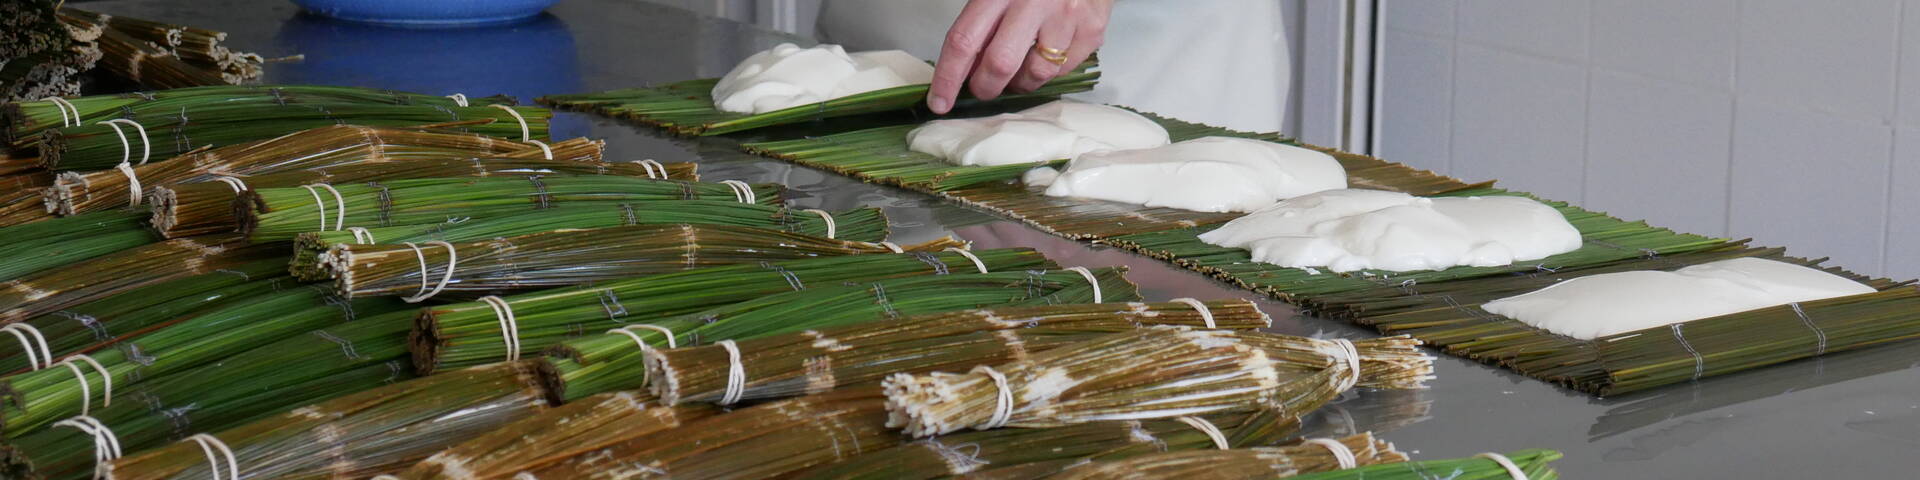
1015	45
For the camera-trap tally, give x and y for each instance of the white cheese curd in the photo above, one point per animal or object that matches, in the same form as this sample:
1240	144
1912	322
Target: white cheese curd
1615	303
789	76
1209	174
1040	176
1347	230
1057	130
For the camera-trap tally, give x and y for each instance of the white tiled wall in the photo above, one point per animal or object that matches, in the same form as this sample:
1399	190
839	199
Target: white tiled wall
1795	123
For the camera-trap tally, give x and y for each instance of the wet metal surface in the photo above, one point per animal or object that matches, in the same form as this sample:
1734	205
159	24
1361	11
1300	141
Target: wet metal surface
1849	415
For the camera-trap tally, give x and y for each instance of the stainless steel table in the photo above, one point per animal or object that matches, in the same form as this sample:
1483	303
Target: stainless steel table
1850	415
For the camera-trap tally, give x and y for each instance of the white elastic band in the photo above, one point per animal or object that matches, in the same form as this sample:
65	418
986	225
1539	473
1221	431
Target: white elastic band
1090	280
976	260
826	217
1505	463
146	147
459	99
1350	354
1206	427
1002	402
628	331
208	443
741	190
339	208
736	374
362	235
62	105
651	165
86	391
133	183
21	330
106	445
1205	314
892	246
509	328
1340	452
453	260
526	134
543	148
234	183
318	204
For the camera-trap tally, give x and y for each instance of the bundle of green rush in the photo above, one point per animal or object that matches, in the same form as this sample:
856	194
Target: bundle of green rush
690	107
188	209
355	436
857	225
38	246
617	360
93	324
1313	456
59	288
1533	464
1153	373
606	419
103	145
471	333
48	394
139	60
197	47
21	123
573	257
319	148
275	214
1452	315
818	360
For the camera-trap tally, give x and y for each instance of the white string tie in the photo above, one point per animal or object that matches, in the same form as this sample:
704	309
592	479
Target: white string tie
208	443
459	99
21	331
736	374
1206	427
543	148
741	190
133	183
339	208
146	147
1090	280
648	166
826	217
1341	454
651	165
1351	355
982	266
628	331
362	235
86	391
1002	403
319	205
62	105
106	445
234	183
893	247
1206	315
453	260
1506	464
526	134
509	328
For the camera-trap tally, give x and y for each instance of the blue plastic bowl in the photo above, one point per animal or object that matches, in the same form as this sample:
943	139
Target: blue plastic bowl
428	13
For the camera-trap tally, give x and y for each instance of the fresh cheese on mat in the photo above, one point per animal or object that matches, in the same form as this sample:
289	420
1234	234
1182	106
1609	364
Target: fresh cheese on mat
1349	229
1060	129
789	76
1614	303
1208	174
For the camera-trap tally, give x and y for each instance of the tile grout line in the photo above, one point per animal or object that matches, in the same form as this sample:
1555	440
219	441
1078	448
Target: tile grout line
1586	115
1893	144
1733	125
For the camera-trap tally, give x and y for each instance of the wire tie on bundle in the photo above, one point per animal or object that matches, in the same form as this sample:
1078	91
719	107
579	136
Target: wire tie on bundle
20	331
1821	348
939	267
741	190
976	260
736	373
1090	280
1206	315
1506	464
1206	427
362	235
86	392
826	217
459	99
1003	399
509	328
386	203
146	148
540	192
1699	363
1351	355
62	105
526	134
1341	454
628	331
234	183
208	443
106	445
453	260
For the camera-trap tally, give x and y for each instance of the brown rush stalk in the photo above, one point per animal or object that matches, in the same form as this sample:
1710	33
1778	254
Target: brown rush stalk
55	289
274	214
573	257
554	435
24	121
1262	462
616	361
198	47
138	60
99	323
358	435
471	333
814	361
1533	464
1153	373
320	148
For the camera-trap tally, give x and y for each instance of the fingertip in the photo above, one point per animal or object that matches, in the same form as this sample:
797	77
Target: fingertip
939	104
